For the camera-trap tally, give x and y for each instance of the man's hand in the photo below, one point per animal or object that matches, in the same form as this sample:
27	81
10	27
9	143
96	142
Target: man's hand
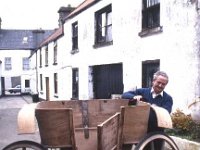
137	97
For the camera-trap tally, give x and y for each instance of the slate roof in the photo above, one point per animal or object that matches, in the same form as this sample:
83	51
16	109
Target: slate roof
22	39
33	39
57	33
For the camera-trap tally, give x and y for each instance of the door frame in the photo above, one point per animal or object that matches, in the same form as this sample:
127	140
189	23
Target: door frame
149	67
47	88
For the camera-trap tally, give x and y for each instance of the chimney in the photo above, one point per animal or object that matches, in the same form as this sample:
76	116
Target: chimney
63	13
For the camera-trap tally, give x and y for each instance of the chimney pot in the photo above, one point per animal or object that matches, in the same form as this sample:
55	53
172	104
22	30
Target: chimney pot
64	12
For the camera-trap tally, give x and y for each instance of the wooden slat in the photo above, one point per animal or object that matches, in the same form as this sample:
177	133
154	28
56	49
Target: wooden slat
74	104
135	123
100	110
86	143
56	127
108	133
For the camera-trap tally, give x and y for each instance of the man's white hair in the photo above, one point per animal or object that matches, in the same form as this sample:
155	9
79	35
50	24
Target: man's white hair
160	73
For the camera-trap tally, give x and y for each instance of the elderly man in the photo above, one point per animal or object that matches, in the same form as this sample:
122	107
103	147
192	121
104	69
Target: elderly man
154	95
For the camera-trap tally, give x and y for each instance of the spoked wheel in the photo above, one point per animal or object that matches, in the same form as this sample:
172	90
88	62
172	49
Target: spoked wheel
24	145
156	141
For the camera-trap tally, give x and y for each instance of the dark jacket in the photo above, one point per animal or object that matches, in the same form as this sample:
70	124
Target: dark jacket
164	102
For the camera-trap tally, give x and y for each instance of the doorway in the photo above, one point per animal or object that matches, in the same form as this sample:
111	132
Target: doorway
107	80
47	88
75	83
149	67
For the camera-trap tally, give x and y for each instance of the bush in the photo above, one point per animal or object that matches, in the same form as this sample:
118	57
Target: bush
184	126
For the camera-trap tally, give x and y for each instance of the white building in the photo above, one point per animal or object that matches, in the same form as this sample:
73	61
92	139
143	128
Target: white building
108	47
14	67
16	47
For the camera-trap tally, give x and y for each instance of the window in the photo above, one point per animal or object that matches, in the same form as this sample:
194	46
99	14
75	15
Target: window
150	14
27	83
75	36
25	40
103	19
41	83
8	63
149	67
55	53
46	56
55	83
25	63
75	83
40	58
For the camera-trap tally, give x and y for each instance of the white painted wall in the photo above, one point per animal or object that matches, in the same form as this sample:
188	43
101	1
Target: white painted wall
24	89
177	47
17	66
33	75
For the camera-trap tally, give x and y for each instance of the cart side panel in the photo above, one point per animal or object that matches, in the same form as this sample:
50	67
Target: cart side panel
135	123
108	133
83	143
98	110
101	109
74	104
56	127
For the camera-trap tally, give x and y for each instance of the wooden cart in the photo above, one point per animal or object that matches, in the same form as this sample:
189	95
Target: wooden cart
99	124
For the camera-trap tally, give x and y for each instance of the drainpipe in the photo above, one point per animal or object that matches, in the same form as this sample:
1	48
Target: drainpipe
197	93
0	23
36	72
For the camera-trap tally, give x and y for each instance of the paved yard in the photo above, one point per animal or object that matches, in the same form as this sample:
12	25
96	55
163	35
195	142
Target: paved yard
9	108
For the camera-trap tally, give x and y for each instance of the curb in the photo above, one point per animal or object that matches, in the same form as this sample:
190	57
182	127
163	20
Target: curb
27	99
184	144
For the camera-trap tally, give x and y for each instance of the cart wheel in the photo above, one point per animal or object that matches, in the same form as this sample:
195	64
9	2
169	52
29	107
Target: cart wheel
24	145
149	142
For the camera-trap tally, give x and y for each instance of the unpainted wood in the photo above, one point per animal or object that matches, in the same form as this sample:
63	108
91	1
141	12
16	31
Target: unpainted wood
108	133
74	104
56	127
86	143
100	110
135	123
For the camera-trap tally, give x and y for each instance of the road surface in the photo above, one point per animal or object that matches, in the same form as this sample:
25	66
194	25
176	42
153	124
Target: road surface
9	108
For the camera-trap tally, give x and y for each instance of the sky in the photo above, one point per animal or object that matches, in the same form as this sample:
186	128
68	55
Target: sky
32	14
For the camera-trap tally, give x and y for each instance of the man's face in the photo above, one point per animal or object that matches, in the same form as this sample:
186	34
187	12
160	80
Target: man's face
159	84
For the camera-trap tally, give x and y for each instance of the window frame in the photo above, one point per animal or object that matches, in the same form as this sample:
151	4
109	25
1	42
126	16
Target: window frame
25	63
41	82
150	18
8	63
55	83
46	56
75	36
150	14
27	83
103	27
40	57
55	53
75	83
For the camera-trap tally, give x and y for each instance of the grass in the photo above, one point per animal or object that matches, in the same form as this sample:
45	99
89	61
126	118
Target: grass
186	135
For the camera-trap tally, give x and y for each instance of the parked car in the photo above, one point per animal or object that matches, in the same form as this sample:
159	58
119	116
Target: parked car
16	89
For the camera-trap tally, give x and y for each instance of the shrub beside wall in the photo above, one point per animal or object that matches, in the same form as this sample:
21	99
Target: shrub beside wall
184	126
